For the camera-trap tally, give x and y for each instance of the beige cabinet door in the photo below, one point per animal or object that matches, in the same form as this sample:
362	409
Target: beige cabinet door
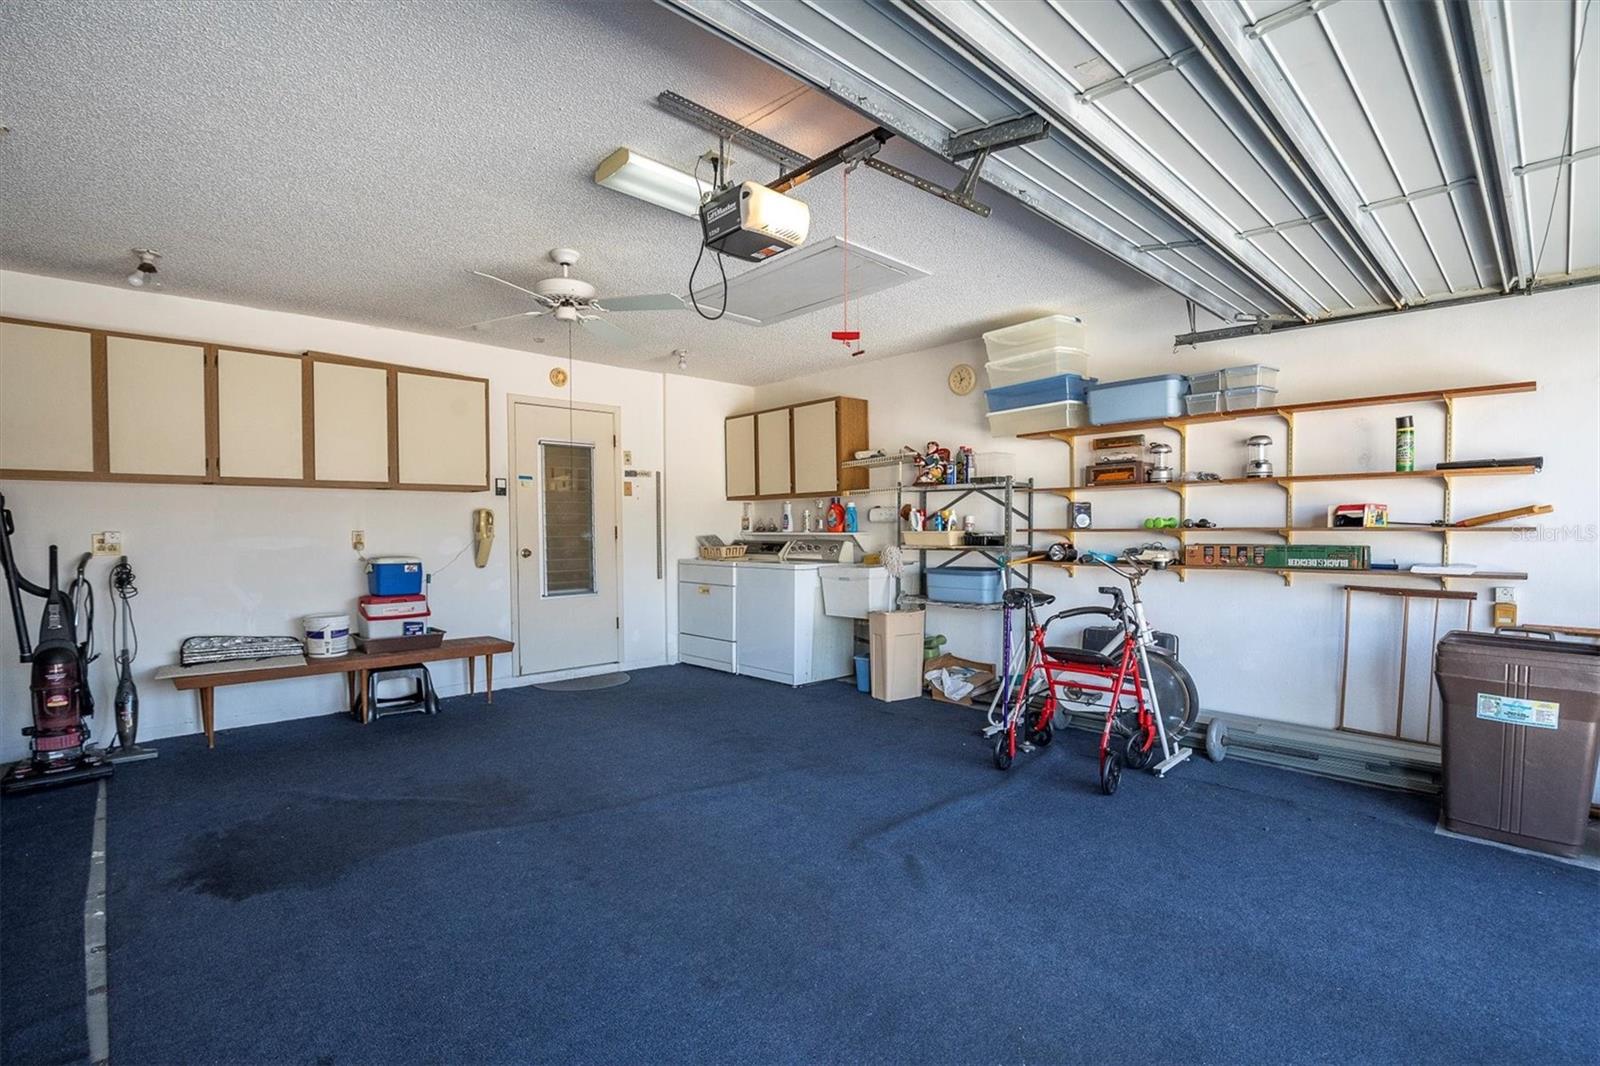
350	422
444	430
260	416
156	407
772	453
739	450
816	449
46	399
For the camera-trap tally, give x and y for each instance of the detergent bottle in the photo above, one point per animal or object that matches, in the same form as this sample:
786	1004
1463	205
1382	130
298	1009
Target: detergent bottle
835	517
850	518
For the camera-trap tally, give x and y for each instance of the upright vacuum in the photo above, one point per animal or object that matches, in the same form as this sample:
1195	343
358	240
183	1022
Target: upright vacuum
62	705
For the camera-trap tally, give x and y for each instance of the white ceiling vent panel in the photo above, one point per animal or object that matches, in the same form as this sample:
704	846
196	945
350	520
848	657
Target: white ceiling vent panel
810	279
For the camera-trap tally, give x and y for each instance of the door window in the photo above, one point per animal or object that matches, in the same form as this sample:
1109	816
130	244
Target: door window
568	505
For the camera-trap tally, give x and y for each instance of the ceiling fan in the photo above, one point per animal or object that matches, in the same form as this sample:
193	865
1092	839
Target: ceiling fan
570	300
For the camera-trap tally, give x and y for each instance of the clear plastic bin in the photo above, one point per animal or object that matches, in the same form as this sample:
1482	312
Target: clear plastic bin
1040	363
1038	419
1203	403
1245	377
1040	334
1210	381
1248	399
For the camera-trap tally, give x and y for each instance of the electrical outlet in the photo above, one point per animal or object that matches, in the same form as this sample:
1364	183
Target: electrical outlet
627	457
107	542
1505	594
358	540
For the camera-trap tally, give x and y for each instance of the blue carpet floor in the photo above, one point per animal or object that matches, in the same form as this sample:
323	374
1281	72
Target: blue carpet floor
703	868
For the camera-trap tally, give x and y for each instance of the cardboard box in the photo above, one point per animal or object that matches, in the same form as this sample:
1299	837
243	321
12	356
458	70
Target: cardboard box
1225	555
1319	557
895	647
981	680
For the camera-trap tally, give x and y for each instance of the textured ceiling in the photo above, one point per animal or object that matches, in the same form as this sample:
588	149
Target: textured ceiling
357	160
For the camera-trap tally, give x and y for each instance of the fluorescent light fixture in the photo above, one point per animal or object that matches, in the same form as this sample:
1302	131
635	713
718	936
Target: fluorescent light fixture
656	183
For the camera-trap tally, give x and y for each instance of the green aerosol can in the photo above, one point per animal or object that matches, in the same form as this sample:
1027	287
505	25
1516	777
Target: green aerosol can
1405	444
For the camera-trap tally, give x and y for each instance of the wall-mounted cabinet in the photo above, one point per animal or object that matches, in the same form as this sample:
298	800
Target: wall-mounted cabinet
92	405
156	409
796	450
47	400
261	416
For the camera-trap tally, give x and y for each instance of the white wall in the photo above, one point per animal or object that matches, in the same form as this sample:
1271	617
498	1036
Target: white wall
235	559
1255	646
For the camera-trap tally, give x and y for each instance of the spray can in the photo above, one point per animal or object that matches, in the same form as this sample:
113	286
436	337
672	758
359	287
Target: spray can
788	516
1405	444
744	520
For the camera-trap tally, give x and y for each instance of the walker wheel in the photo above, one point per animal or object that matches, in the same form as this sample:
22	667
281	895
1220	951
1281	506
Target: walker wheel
1042	734
1139	756
1217	740
1002	750
1111	773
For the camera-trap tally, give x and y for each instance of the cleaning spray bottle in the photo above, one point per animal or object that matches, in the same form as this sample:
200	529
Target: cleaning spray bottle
1405	444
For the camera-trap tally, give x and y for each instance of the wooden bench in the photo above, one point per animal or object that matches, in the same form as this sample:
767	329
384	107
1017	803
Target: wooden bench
355	666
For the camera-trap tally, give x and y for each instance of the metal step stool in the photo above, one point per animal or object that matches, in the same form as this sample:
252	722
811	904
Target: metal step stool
421	698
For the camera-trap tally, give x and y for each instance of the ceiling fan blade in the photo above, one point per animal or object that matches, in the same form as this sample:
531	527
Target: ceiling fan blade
658	301
505	318
537	296
609	333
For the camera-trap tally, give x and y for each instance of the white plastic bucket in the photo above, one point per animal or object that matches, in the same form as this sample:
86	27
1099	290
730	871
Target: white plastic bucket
327	635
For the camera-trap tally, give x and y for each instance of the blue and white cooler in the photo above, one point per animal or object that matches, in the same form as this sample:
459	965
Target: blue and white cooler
394	575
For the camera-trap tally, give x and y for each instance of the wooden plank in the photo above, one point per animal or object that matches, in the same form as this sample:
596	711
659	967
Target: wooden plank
1425	594
1387	399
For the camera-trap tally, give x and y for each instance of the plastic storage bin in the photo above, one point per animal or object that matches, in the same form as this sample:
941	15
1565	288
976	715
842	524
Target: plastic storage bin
394	575
1210	381
384	626
392	606
1137	399
1058	388
1039	334
1521	729
964	584
1044	417
1048	362
1249	398
1202	403
856	591
1244	377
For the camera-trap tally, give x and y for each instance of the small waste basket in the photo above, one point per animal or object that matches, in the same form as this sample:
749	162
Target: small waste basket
1521	730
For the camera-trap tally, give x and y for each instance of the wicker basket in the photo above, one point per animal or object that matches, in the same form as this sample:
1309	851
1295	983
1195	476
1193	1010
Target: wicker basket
722	551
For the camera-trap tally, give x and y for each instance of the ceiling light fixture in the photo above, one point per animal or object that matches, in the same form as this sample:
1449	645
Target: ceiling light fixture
641	177
144	275
683	358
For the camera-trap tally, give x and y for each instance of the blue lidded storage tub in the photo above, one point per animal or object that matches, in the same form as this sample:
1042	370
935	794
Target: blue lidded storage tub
1137	399
1058	388
394	575
964	584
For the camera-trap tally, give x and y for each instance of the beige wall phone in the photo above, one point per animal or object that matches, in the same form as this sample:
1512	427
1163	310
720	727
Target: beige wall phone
482	535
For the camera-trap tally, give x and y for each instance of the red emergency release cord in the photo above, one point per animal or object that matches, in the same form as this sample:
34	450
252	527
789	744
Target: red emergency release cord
846	336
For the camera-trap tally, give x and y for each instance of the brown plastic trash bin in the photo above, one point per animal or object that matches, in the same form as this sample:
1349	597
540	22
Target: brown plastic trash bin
1521	731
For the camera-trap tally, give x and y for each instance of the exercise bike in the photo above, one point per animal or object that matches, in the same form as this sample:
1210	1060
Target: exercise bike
62	704
1131	666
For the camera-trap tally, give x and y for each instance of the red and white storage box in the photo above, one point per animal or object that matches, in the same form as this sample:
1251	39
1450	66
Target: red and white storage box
381	617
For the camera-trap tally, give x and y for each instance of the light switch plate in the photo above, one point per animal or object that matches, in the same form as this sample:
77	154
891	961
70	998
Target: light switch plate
107	542
1505	594
627	457
358	540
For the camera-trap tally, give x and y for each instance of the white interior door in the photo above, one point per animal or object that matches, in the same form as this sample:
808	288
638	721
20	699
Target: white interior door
568	611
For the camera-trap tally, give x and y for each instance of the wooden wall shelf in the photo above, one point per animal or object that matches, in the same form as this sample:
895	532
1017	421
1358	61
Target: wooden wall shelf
1296	479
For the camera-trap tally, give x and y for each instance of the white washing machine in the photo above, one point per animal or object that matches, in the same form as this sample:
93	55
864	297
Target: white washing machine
781	631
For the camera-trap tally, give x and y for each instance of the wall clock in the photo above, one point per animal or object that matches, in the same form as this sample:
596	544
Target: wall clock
558	377
962	379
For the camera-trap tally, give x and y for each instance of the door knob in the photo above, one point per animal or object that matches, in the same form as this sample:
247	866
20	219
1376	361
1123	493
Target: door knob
527	553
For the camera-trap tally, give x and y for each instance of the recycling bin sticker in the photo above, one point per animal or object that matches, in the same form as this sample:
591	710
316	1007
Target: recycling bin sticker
1541	714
